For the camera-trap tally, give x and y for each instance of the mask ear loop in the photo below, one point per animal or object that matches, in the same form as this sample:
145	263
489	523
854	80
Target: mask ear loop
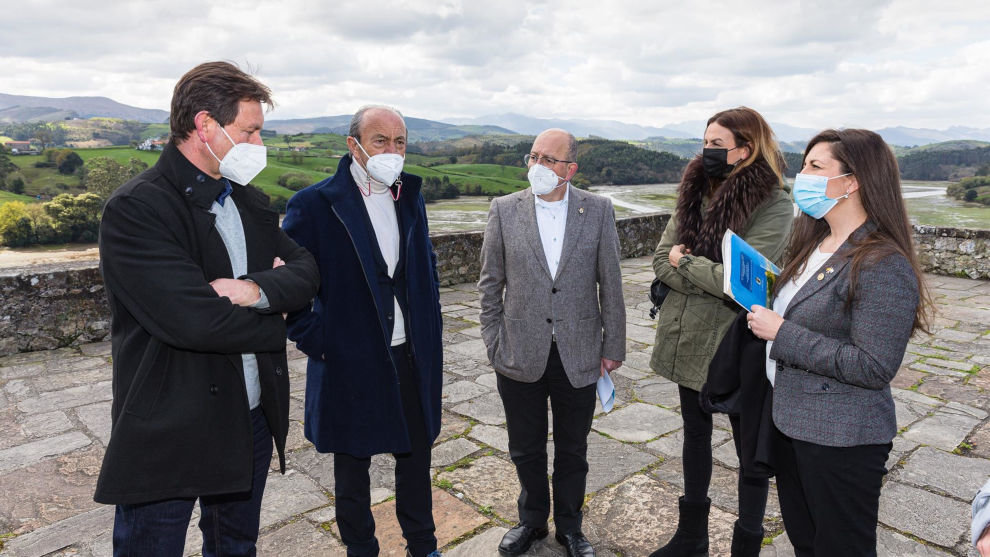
398	190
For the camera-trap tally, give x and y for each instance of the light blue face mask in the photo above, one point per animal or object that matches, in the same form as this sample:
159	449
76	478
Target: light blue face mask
809	194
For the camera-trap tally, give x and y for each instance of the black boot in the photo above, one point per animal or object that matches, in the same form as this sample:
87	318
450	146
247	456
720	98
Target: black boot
691	537
746	543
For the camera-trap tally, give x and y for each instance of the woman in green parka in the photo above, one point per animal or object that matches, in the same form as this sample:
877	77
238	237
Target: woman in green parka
737	183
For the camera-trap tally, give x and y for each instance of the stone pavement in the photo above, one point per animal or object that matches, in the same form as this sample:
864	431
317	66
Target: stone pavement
55	423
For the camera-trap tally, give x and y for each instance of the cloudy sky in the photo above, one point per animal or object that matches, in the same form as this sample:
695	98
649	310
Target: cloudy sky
862	63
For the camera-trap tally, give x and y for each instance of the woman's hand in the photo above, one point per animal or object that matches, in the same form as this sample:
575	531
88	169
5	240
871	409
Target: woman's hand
764	322
676	253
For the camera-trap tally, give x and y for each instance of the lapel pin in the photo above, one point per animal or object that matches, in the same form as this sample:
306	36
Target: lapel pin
821	276
581	210
829	270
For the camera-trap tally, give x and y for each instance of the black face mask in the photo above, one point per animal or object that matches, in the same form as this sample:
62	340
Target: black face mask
715	162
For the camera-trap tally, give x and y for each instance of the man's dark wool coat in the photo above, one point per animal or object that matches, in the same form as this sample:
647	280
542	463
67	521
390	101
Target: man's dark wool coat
181	422
352	390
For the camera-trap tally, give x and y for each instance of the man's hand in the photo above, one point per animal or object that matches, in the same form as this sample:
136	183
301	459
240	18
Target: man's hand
240	292
610	365
983	544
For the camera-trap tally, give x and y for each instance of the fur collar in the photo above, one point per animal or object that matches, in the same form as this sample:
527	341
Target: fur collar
700	228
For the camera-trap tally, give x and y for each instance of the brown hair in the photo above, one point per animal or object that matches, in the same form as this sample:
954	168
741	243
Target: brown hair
865	155
216	87
750	129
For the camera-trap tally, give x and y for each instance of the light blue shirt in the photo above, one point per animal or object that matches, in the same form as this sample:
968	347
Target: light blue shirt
231	230
551	219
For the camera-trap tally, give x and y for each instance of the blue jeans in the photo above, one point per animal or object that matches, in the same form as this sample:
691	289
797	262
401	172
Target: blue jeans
229	522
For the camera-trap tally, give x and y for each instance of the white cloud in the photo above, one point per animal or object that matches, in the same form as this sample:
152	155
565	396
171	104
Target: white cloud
808	63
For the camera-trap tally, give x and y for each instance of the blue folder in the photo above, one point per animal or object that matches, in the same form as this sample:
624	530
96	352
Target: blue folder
748	276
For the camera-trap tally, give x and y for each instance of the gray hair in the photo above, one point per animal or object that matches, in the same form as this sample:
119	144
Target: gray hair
355	129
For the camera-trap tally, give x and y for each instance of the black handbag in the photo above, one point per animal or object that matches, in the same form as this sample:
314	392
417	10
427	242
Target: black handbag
658	291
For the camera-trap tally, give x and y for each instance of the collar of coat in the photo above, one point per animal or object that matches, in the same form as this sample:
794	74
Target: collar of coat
197	186
342	185
699	227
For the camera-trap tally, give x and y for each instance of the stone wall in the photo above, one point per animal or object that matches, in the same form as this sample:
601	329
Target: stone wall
954	251
49	306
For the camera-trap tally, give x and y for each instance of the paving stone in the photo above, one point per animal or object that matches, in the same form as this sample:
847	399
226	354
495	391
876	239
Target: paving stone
49	423
323	515
296	438
900	448
487	409
19	390
724	488
907	378
936	370
638	422
451	451
304	539
912	397
459	391
638	360
933	518
96	418
21	371
958	476
484	544
466	366
488	482
72	530
495	437
96	348
954	389
646	335
453	519
663	393
959	336
49	491
909	413
451	426
631	373
473	348
319	467
610	461
640	514
59	381
30	453
670	445
892	544
289	495
725	454
488	380
945	429
67	398
980	440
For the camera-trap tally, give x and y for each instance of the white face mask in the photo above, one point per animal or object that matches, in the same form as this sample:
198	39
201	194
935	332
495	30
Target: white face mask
243	162
384	167
543	180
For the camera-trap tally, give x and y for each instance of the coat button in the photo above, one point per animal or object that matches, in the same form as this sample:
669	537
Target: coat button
189	191
553	290
323	357
278	370
200	178
549	320
824	386
214	390
780	366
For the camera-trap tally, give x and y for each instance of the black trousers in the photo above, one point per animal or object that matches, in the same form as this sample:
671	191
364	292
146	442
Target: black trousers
829	496
696	454
413	493
526	419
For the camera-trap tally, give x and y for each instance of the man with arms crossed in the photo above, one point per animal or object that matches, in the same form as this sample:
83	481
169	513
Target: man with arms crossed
198	275
373	333
553	320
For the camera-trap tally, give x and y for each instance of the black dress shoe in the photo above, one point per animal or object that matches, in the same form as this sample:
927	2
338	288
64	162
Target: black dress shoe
518	539
576	544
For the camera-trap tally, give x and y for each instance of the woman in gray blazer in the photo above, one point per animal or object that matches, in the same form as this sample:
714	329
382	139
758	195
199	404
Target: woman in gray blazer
847	301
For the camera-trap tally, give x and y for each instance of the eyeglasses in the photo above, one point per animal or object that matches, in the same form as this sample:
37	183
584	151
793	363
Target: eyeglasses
542	159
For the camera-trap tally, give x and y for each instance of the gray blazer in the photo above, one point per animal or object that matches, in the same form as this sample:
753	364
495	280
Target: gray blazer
834	365
522	305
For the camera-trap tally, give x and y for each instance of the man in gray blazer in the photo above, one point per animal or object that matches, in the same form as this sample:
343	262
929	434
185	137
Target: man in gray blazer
553	320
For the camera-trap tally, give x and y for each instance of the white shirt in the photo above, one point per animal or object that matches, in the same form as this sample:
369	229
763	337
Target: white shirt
381	211
551	219
786	294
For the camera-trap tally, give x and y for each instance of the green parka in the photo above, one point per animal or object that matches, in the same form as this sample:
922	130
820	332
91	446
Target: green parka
696	314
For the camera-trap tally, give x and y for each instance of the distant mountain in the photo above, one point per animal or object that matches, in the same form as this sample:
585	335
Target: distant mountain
78	107
607	129
18	114
419	128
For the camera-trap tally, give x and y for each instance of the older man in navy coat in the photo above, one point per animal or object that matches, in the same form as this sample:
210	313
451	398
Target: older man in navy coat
373	334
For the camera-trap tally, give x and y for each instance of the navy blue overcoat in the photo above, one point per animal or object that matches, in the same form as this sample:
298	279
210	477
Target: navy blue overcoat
352	393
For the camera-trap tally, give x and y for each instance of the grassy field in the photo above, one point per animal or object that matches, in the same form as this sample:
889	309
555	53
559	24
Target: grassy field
6	196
